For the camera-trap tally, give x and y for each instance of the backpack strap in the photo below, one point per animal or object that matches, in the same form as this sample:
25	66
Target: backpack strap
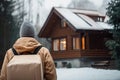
37	49
14	51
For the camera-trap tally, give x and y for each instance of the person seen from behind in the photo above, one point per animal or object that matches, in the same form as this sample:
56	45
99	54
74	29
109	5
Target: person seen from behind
28	43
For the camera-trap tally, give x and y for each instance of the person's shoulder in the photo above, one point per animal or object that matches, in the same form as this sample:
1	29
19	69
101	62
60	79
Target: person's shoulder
44	48
9	52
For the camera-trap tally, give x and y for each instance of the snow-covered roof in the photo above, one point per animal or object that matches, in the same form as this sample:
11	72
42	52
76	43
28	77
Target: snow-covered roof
96	25
90	21
105	25
89	12
73	19
81	21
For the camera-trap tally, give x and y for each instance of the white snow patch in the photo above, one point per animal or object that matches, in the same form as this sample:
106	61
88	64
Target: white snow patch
87	74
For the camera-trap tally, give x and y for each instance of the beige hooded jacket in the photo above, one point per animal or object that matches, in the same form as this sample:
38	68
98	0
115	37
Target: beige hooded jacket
28	44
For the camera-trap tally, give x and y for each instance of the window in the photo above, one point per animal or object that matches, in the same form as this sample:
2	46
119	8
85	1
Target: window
83	43
63	44
59	44
76	43
63	23
56	44
79	42
100	19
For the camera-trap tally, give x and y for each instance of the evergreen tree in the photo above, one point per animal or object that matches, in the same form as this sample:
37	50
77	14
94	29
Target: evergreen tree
113	11
6	23
9	24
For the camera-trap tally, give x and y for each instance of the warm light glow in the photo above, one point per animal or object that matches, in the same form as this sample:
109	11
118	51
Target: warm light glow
63	44
83	43
56	44
59	44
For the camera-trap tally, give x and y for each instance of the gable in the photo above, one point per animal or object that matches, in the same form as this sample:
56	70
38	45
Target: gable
52	21
60	31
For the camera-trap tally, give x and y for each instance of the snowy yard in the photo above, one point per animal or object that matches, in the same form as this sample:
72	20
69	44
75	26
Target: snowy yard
87	74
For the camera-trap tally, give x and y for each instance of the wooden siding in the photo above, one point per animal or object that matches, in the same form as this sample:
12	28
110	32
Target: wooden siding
59	31
65	54
78	54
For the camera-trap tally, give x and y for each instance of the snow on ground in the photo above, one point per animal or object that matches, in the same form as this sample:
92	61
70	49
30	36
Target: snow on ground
87	74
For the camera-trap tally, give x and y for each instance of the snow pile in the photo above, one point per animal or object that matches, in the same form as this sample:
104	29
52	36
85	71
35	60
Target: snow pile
87	74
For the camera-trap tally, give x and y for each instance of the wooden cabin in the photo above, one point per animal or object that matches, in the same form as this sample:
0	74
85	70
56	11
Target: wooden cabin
78	36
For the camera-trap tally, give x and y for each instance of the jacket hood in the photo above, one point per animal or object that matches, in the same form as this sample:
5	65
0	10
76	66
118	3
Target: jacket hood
26	44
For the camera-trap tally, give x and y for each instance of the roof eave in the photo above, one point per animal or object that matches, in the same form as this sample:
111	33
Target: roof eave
45	24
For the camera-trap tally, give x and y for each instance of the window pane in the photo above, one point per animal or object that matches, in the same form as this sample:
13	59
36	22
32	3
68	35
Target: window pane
63	44
73	43
76	43
83	42
56	44
63	23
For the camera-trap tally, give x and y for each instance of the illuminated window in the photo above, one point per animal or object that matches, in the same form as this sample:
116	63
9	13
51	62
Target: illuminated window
76	43
63	44
83	43
59	44
56	44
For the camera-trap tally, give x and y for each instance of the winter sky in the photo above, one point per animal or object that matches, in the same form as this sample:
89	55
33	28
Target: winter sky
97	2
64	3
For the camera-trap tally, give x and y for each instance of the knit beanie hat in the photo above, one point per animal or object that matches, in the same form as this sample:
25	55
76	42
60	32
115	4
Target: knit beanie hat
27	30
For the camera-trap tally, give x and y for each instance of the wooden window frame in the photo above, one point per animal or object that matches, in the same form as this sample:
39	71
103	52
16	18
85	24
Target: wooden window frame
74	43
59	45
63	23
53	47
